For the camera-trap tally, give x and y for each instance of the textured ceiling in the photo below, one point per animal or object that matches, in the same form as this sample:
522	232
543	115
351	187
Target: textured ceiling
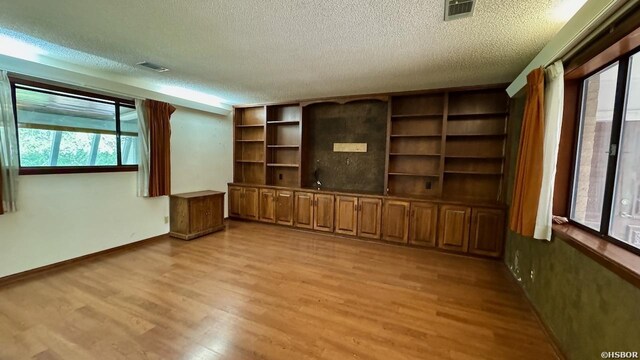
250	51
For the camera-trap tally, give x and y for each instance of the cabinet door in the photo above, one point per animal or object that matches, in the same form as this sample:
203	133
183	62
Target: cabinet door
422	225
284	207
369	217
454	228
487	232
235	201
197	215
395	221
215	204
323	213
268	205
250	204
303	210
346	215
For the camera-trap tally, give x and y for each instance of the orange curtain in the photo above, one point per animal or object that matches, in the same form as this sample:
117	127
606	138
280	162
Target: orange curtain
159	114
526	193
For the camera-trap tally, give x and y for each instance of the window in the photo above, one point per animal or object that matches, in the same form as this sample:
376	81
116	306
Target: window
64	130
606	189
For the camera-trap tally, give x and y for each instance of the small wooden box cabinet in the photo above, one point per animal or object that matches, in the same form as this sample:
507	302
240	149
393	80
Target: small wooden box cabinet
196	214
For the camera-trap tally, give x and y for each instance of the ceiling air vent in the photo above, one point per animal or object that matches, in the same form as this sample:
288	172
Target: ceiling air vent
152	66
456	9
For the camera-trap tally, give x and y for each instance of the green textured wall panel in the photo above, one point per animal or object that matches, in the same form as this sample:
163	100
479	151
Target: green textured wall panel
588	308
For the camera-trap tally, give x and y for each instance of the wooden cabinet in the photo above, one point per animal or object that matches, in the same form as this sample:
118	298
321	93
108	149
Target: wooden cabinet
358	216
196	214
346	215
251	203
244	202
454	227
284	207
395	221
268	205
422	224
477	230
323	212
235	201
369	217
303	210
487	232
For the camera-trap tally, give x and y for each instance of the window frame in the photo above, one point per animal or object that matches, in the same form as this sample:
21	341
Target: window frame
620	103
17	82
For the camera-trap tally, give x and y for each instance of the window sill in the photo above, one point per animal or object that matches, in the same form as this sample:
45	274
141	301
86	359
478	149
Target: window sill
76	169
615	258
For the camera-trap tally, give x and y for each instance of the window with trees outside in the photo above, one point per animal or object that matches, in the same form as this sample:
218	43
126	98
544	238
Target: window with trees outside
64	130
606	189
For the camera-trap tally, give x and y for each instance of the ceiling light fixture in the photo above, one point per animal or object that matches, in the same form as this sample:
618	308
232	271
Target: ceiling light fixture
152	66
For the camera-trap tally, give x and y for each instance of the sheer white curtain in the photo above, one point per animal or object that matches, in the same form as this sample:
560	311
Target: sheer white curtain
553	104
144	152
8	146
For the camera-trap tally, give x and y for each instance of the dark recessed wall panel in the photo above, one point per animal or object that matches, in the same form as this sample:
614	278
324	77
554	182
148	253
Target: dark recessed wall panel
355	122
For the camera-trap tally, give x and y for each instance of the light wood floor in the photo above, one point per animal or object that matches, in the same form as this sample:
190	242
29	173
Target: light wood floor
265	292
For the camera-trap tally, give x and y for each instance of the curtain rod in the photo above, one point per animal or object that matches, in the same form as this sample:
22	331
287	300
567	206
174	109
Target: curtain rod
608	23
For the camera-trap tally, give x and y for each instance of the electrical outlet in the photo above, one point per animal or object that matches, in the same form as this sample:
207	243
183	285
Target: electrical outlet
166	219
533	272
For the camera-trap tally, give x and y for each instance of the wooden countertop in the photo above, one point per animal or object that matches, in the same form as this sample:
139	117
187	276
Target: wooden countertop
195	194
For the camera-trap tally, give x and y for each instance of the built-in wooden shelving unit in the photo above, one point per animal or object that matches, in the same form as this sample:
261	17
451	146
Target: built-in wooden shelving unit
283	144
249	145
475	144
446	144
415	144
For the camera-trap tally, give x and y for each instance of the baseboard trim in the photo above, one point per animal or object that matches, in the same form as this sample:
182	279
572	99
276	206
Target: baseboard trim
9	279
554	341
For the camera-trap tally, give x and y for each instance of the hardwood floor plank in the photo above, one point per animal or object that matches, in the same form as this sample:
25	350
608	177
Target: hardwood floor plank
263	292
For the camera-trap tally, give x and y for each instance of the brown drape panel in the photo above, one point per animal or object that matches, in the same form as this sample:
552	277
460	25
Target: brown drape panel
526	193
159	114
1	178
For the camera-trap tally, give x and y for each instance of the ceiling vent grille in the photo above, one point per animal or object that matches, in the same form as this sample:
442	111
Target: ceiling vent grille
152	66
456	9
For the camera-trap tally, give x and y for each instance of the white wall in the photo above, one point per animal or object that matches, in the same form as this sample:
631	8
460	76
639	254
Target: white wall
201	151
61	217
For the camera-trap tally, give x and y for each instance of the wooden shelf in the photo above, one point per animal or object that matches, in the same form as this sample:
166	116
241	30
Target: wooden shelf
412	116
414	175
486	114
412	154
461	172
283	122
284	165
239	140
477	134
250	161
471	157
250	126
415	135
283	146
